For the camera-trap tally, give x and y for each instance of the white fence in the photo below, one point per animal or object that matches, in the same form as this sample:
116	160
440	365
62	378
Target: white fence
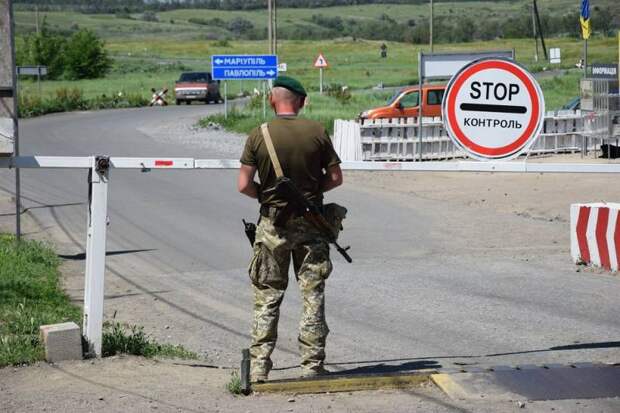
397	139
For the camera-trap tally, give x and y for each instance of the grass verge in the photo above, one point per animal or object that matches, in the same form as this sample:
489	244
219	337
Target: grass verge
324	109
121	338
30	296
66	100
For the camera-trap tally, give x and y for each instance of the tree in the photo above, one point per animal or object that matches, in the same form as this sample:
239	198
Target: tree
239	25
85	56
43	49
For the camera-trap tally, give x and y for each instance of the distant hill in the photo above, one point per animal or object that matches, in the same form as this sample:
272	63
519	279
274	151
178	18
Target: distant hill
454	21
111	6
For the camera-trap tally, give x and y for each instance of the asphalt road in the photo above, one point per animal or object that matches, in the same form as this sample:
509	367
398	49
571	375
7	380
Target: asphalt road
431	285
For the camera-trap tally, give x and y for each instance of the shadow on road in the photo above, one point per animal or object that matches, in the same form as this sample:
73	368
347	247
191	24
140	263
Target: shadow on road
383	368
82	255
42	206
417	363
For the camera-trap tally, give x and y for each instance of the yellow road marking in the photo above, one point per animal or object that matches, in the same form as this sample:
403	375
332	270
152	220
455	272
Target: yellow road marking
343	384
449	386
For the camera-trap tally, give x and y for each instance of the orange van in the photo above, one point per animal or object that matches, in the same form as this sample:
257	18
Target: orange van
406	103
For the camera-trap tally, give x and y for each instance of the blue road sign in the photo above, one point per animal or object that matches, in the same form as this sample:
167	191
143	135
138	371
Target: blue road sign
231	67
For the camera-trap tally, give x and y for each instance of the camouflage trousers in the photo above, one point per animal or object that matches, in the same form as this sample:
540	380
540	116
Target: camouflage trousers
268	271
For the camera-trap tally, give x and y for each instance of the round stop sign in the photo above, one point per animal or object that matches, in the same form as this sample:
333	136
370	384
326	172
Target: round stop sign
493	109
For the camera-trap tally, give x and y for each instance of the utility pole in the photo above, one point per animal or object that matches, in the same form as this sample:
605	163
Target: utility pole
431	26
36	17
535	33
9	142
540	31
270	25
275	27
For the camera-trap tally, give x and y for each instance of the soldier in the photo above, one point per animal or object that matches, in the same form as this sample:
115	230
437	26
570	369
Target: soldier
307	157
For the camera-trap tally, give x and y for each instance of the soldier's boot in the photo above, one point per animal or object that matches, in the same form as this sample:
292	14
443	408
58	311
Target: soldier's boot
309	372
259	371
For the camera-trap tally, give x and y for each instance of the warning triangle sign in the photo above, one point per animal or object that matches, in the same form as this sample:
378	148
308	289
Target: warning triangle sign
320	61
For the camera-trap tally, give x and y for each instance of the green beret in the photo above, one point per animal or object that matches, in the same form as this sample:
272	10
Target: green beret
291	84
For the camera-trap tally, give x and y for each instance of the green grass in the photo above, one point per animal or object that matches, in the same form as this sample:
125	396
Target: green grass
320	108
157	62
234	385
558	91
30	296
153	54
130	339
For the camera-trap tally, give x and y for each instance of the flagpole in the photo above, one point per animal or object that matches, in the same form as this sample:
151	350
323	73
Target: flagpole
585	58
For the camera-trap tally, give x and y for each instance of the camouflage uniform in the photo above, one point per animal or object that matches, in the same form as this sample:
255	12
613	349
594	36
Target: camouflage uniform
268	271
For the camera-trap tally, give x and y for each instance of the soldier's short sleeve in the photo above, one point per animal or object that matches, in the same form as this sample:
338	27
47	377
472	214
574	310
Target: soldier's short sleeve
329	157
248	157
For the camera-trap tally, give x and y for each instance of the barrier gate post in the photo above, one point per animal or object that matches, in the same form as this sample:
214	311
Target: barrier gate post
95	253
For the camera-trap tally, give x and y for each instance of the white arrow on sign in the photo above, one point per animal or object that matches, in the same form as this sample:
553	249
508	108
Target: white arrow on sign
271	73
219	61
493	109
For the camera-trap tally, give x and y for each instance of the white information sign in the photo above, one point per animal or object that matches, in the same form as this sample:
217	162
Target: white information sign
493	109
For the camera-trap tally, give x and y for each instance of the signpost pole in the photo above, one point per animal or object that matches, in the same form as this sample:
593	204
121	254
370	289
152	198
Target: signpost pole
9	130
420	81
585	58
431	27
321	80
225	99
95	254
264	101
535	32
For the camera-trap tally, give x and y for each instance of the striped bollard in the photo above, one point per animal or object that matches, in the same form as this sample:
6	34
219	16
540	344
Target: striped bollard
595	235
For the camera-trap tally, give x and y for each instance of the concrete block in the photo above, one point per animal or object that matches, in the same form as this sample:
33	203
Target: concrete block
62	342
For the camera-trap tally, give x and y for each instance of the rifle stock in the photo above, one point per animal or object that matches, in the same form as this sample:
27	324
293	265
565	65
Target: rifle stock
312	214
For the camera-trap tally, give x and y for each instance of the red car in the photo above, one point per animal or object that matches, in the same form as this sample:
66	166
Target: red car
197	86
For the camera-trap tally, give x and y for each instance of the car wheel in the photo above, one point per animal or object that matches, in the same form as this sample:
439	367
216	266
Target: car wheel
179	102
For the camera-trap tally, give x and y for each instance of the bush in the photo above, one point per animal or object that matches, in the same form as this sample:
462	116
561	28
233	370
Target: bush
123	15
149	16
43	49
66	100
221	43
86	57
198	20
341	93
239	25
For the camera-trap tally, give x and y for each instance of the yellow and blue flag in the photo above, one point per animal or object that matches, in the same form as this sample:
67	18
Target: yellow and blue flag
586	30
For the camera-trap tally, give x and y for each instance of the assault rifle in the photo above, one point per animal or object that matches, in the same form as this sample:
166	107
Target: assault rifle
250	231
297	200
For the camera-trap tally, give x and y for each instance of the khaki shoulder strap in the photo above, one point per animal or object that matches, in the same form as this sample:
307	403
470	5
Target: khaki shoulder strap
272	151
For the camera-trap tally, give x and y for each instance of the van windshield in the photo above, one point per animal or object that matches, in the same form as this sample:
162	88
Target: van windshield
195	77
394	97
